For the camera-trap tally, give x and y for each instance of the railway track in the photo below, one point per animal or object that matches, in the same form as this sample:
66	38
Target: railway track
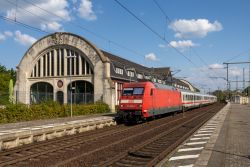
88	148
150	152
20	155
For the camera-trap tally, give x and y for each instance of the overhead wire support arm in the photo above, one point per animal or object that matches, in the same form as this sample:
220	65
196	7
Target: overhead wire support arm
246	62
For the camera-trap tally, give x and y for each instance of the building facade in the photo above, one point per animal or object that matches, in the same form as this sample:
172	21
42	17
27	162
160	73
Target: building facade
67	68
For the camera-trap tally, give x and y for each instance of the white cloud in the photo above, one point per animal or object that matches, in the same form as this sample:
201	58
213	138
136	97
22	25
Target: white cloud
2	37
235	71
194	28
53	26
74	1
162	46
216	66
24	39
151	57
85	10
40	17
206	78
200	77
8	33
5	35
182	45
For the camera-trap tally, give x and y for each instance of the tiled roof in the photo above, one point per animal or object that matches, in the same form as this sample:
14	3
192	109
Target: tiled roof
162	73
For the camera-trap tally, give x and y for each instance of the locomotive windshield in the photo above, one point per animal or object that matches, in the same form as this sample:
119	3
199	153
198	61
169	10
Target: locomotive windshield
132	91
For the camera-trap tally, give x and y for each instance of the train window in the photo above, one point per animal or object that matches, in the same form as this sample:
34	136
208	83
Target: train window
132	91
127	91
138	91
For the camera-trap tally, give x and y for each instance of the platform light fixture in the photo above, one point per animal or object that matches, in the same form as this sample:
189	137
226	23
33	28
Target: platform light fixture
70	80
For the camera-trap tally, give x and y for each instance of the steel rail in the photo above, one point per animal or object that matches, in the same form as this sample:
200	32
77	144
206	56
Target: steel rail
133	150
121	141
13	156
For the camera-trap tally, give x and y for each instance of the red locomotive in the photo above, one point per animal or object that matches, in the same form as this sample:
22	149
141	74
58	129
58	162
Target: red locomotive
142	100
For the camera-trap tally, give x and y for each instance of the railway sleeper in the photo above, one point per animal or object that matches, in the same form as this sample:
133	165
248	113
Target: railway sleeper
127	165
35	159
152	152
148	148
18	154
157	145
135	158
22	163
133	162
44	156
53	153
141	154
6	157
27	152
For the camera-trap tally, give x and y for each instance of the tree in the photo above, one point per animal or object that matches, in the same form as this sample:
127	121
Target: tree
4	84
221	96
246	91
2	69
5	77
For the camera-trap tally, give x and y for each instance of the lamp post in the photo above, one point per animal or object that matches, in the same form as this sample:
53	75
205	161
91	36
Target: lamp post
70	80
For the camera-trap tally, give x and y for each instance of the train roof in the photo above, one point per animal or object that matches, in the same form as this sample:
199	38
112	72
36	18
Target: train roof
197	93
157	85
162	86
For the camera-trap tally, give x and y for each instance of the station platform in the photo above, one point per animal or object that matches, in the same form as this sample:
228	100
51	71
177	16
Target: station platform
17	134
224	141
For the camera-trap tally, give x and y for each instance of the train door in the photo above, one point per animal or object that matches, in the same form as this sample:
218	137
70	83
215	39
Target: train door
152	98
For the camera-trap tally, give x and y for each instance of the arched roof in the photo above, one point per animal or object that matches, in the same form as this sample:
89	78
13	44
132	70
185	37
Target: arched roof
55	36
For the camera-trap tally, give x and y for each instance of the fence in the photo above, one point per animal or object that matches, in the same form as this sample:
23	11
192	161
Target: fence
38	97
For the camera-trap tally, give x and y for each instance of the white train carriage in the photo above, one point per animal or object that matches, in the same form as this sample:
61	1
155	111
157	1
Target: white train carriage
193	100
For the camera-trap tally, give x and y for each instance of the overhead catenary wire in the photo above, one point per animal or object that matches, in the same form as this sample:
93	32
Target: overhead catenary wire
238	55
170	20
193	49
158	35
74	24
154	32
46	32
91	32
24	25
83	28
164	13
43	31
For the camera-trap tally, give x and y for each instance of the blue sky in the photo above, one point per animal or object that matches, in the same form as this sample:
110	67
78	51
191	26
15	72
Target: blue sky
207	33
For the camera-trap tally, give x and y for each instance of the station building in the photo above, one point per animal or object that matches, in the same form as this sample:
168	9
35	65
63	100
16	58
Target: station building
65	66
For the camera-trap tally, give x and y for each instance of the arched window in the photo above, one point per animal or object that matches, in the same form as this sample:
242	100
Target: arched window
82	92
41	91
58	61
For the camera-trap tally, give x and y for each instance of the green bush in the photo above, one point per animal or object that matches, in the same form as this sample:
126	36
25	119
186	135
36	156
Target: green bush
4	98
47	110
